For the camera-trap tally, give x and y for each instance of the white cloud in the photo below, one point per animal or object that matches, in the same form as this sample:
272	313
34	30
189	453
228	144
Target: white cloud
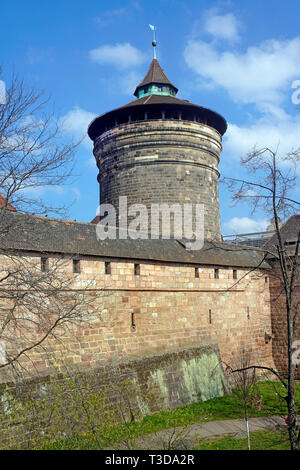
129	81
36	55
76	193
122	82
107	16
91	162
222	26
245	225
76	122
261	75
121	56
282	131
34	190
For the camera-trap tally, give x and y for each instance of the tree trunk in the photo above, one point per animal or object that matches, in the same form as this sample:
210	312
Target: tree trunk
247	426
292	412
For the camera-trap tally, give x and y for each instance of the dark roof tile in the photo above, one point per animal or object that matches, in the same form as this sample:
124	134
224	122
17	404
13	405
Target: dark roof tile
214	119
289	232
155	74
23	232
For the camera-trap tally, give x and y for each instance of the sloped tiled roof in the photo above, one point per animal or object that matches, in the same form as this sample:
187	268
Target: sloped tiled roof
155	74
218	121
289	233
47	235
158	99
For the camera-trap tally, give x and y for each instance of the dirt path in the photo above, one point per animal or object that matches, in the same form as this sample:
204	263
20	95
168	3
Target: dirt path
185	437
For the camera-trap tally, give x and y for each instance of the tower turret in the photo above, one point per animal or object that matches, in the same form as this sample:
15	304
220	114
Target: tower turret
160	149
155	83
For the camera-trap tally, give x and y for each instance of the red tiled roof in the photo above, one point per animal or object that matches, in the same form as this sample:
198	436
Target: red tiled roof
4	203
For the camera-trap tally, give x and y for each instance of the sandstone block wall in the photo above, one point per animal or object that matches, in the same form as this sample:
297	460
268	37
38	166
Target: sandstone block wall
165	309
279	322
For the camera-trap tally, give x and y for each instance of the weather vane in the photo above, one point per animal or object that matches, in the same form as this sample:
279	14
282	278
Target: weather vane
154	43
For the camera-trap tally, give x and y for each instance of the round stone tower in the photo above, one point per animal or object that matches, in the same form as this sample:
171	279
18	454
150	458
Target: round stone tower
159	149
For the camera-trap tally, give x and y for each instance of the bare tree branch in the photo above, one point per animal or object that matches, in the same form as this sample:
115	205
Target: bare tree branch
275	177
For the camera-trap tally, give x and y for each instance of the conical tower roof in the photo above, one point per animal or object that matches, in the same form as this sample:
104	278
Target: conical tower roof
155	75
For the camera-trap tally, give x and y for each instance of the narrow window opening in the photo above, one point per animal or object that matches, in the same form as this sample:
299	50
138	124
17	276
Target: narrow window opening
136	269
76	266
209	316
132	322
197	272
234	274
248	313
216	274
290	242
44	264
107	267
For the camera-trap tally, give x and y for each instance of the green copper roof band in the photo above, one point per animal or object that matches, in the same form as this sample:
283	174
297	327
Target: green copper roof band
155	90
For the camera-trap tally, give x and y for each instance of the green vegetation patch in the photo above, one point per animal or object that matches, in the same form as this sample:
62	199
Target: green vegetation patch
227	407
260	440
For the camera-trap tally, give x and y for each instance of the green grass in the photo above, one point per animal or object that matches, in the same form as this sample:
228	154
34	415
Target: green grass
226	407
229	406
260	440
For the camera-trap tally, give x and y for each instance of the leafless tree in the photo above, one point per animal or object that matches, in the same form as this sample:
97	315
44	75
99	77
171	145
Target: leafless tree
35	304
242	383
270	188
37	310
34	152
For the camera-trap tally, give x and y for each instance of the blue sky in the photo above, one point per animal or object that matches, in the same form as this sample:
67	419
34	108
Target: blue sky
237	58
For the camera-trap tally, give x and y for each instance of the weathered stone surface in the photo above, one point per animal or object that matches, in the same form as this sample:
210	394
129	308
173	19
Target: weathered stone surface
279	322
173	310
162	161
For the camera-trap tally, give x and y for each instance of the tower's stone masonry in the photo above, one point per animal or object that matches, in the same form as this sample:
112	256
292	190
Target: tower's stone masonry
162	161
161	150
